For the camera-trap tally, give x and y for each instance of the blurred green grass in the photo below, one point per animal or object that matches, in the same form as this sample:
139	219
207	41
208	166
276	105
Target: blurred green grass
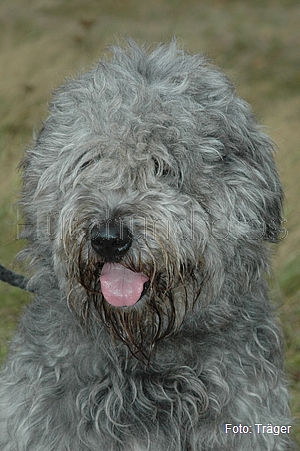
257	44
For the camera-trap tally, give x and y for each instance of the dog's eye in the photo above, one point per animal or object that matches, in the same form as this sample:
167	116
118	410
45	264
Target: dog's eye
156	166
161	169
88	163
85	164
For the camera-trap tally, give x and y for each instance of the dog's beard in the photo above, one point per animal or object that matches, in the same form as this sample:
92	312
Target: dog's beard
140	327
159	313
154	317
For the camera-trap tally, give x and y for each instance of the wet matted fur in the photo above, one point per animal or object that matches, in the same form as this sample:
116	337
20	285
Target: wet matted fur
151	180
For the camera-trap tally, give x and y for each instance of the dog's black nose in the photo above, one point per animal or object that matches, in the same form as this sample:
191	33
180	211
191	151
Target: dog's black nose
111	239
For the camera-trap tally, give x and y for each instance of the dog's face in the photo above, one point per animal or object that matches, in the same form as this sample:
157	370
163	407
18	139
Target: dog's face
135	246
147	184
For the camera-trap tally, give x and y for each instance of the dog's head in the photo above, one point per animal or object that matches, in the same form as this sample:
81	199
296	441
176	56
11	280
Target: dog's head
149	188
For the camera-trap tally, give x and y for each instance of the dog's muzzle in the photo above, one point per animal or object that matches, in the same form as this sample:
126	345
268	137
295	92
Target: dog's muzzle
121	287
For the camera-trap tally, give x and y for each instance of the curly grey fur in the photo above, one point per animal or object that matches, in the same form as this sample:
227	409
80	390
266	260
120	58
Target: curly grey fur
160	140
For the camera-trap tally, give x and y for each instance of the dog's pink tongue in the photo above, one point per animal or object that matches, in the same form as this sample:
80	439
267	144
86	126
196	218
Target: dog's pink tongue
121	286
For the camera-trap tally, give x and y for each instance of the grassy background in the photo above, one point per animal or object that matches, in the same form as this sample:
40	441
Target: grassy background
255	41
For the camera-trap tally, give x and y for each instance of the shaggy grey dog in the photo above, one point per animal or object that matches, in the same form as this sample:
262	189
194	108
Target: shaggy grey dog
148	195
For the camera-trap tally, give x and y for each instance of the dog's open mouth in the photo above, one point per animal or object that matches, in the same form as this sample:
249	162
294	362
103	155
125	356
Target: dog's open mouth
120	286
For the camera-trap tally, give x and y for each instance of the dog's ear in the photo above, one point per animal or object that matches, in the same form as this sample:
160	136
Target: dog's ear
265	196
258	195
236	156
270	199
